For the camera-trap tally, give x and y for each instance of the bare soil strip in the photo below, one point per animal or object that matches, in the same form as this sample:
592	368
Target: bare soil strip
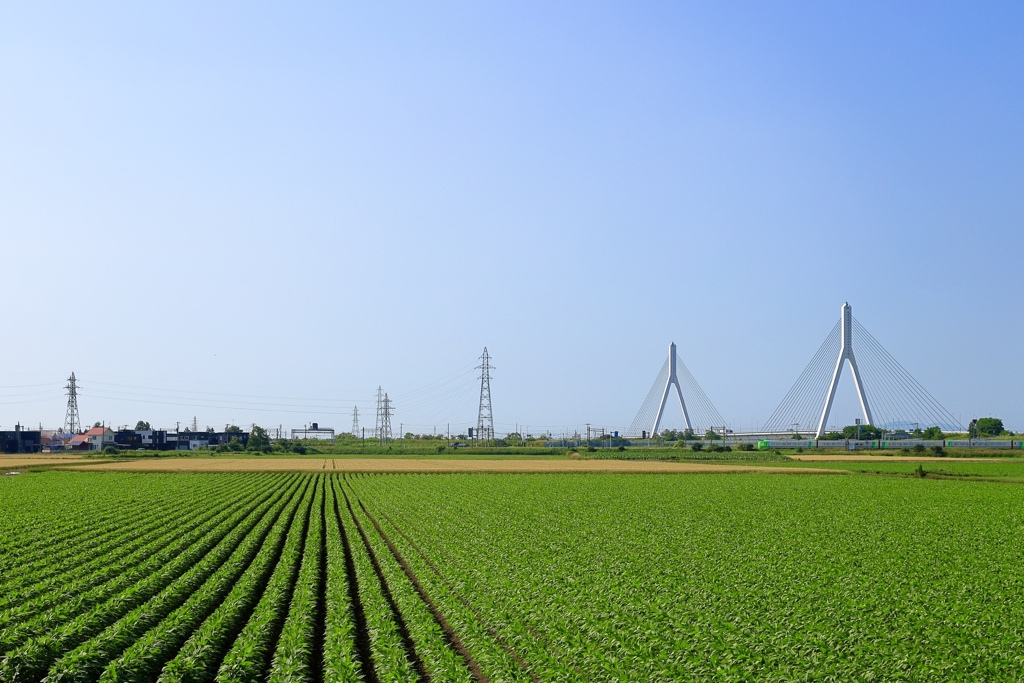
8	462
399	465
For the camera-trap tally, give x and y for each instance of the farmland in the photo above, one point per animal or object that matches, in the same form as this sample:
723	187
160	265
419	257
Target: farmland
331	576
423	465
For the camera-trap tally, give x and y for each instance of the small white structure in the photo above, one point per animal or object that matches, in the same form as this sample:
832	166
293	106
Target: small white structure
314	431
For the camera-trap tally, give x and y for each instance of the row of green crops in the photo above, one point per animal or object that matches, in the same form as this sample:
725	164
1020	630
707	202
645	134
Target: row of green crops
508	577
743	577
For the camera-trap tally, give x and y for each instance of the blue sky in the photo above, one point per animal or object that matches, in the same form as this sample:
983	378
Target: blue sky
252	212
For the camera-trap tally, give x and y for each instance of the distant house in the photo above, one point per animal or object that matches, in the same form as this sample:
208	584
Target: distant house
162	440
96	439
21	441
135	439
53	440
190	441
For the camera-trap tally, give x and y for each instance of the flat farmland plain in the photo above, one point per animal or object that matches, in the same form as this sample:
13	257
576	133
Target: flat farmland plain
333	576
427	465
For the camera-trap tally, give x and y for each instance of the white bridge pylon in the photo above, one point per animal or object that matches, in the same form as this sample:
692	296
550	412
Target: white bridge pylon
697	410
845	354
673	380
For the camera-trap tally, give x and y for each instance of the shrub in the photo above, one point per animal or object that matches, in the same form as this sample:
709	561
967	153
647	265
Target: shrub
919	448
111	450
745	447
621	449
938	451
697	447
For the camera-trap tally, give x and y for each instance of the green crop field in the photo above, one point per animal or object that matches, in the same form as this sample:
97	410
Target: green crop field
509	577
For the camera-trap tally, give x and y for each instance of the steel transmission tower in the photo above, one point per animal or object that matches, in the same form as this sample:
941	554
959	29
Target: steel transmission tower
72	423
355	420
673	380
485	418
386	411
845	354
380	406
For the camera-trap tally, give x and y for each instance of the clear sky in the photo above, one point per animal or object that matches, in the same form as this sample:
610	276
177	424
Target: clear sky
261	212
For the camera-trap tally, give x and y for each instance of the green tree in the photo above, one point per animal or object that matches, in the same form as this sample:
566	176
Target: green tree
712	435
867	432
259	440
142	426
932	434
988	426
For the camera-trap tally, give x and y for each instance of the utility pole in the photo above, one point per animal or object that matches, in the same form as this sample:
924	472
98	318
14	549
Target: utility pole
485	418
355	420
72	423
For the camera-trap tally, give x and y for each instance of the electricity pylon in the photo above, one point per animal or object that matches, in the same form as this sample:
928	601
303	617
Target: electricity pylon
845	354
485	418
380	406
72	423
386	412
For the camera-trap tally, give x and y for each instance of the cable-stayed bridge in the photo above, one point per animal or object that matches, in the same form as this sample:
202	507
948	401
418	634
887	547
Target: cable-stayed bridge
889	396
698	413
